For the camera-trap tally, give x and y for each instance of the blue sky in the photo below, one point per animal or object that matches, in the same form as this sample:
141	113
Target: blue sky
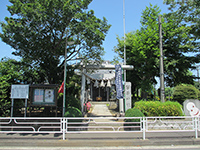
112	10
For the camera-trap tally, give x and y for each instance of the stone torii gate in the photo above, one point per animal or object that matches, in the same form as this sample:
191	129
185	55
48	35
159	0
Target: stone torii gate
97	67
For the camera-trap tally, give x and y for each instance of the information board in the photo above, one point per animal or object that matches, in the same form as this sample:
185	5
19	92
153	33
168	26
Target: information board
38	95
49	95
43	94
19	91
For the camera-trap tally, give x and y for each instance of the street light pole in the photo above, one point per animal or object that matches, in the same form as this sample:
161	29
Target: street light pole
124	39
198	74
162	87
124	52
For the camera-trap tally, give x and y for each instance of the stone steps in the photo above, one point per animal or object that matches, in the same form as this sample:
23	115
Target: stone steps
100	110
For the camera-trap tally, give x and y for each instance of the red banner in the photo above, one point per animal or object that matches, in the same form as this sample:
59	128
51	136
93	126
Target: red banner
61	89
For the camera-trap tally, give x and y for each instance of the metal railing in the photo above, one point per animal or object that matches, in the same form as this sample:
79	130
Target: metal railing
100	125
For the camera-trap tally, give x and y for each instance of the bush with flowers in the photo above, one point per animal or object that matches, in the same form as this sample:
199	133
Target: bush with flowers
157	108
88	106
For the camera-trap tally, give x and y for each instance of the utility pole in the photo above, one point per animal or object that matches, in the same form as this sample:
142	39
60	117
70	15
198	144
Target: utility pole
162	86
197	67
65	74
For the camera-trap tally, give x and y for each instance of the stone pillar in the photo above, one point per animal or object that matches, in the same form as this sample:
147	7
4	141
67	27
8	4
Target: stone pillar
121	105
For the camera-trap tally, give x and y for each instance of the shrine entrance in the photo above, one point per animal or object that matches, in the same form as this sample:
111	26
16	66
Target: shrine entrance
99	94
98	83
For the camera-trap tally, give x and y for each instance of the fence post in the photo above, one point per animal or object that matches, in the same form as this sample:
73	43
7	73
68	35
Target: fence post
63	122
66	125
144	125
196	127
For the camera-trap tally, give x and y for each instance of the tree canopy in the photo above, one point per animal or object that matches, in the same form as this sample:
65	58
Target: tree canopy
142	48
9	74
181	40
39	31
189	12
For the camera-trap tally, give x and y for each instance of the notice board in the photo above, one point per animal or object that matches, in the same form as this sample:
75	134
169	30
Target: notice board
19	91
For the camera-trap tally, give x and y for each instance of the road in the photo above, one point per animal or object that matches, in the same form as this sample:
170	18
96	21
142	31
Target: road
186	147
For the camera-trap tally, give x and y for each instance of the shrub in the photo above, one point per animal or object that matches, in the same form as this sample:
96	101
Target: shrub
157	108
73	112
185	91
72	101
133	112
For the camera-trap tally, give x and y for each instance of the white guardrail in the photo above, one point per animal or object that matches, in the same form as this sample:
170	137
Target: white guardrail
100	125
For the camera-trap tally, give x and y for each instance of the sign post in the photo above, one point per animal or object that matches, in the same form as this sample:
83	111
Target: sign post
19	92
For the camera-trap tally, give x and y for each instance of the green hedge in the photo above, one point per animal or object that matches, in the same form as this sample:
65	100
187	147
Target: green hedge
183	92
133	112
156	108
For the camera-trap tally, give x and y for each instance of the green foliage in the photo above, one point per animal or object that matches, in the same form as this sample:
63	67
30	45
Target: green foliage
142	48
32	74
73	88
133	112
38	31
178	43
183	92
184	28
168	93
73	112
197	84
189	13
10	73
5	102
156	108
14	72
71	101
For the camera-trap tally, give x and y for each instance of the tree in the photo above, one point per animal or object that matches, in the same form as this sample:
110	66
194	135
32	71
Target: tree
9	74
180	50
168	93
39	30
142	51
183	92
189	12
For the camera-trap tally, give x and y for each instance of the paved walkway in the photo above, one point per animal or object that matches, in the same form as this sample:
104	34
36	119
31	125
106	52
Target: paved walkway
100	109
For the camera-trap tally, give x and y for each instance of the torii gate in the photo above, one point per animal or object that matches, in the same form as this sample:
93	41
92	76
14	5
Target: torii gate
104	67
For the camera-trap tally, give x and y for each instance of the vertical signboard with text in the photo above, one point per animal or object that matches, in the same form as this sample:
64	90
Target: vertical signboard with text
118	81
128	95
19	91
